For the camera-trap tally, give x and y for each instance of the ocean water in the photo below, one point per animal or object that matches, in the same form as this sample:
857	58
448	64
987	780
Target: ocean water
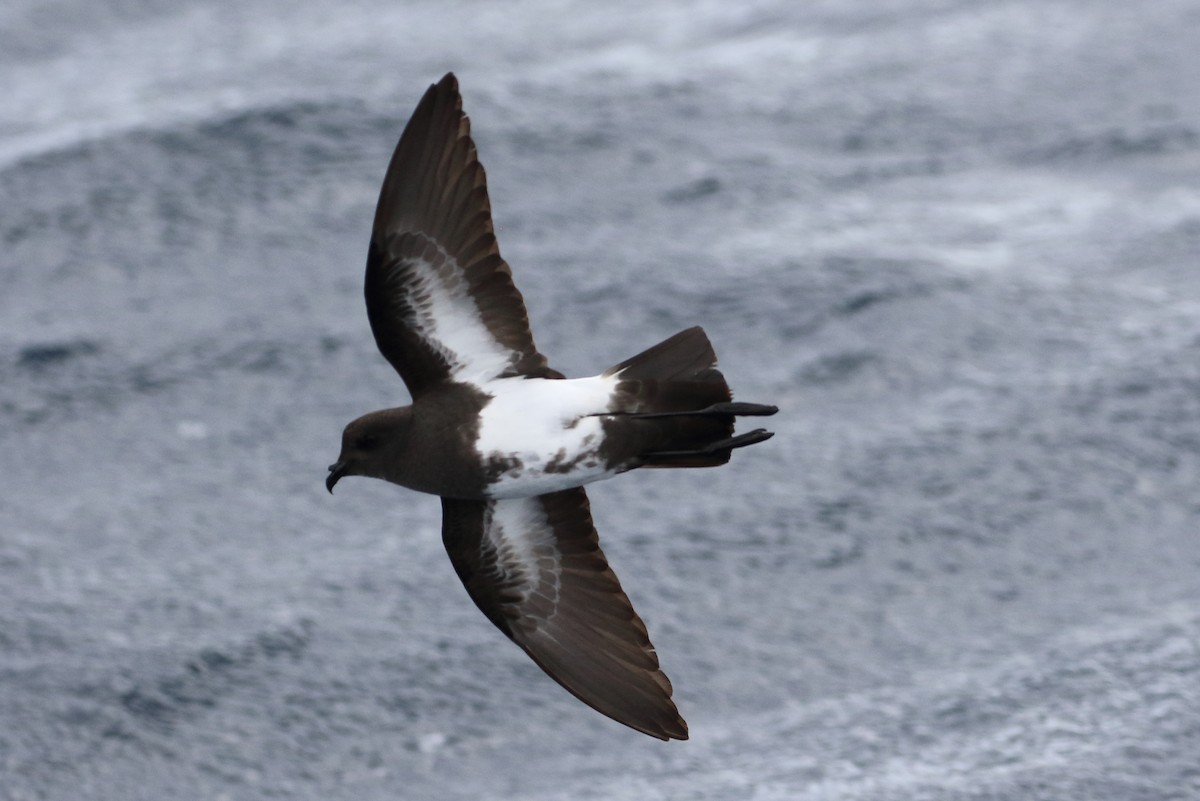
957	243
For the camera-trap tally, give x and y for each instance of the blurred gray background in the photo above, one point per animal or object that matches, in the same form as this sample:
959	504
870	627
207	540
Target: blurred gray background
958	243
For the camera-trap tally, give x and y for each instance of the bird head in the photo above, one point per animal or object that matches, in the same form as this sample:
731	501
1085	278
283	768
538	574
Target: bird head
371	445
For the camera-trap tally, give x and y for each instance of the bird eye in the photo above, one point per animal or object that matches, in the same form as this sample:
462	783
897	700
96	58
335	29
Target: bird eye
367	442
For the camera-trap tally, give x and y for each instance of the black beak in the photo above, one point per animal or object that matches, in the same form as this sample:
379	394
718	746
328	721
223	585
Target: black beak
336	471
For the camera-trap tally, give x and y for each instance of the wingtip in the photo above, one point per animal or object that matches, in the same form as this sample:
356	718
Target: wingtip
664	730
680	733
670	726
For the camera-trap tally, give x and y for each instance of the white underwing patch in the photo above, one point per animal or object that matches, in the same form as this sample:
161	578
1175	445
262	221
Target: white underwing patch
519	533
445	316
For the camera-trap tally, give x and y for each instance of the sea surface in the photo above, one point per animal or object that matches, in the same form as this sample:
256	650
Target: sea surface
957	242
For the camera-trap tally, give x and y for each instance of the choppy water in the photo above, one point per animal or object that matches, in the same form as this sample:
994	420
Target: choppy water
958	243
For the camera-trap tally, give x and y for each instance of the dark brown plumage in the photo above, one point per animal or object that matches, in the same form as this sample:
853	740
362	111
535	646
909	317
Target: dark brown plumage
569	614
434	203
516	521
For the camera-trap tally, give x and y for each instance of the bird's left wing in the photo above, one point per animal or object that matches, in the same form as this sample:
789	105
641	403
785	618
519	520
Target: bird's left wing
440	299
534	567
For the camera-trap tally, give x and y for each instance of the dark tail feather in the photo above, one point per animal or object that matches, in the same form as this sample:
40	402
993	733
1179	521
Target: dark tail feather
674	400
717	410
720	446
678	374
686	356
705	454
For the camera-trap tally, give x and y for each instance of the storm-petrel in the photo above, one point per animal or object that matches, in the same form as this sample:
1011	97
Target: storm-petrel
507	441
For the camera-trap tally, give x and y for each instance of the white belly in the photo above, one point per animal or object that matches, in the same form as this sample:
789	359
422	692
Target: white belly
546	432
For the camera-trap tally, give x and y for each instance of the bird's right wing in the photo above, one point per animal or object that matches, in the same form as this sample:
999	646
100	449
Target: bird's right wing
534	567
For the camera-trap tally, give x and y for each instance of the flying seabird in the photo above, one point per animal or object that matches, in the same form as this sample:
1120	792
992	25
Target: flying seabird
506	440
